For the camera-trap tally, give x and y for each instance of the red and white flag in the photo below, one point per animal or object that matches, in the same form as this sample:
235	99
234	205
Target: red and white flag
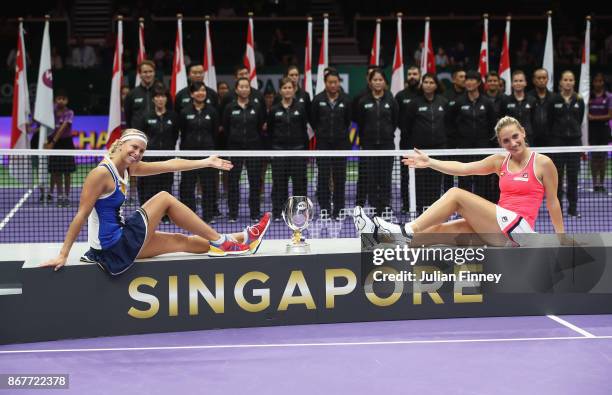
483	59
114	112
548	62
307	85
323	57
142	54
375	52
249	55
179	74
21	97
397	76
428	57
210	75
504	61
584	87
43	106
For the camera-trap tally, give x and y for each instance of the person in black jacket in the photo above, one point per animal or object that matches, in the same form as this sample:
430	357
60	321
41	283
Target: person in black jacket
195	73
541	118
241	71
287	130
161	127
199	126
403	99
362	174
293	73
377	118
426	128
242	124
331	119
566	111
451	95
473	117
139	102
494	91
519	105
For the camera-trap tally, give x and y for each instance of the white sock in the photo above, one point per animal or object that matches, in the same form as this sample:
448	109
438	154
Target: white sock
219	241
408	229
245	234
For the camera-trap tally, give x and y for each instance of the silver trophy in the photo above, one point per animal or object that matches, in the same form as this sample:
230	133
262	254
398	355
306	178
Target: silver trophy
297	215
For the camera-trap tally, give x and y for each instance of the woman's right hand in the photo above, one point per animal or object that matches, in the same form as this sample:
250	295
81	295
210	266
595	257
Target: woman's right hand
419	159
56	262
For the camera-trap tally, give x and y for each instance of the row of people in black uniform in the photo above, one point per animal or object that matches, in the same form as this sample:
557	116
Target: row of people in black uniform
461	118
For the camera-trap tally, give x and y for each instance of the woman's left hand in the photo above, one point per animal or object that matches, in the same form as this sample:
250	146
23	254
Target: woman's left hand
218	163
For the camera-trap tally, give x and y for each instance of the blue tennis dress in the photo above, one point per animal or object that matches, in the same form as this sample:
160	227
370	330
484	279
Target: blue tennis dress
114	243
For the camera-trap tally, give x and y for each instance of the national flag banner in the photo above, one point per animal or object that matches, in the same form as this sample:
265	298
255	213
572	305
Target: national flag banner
307	85
375	52
323	56
397	76
179	74
210	74
548	62
114	112
584	86
21	114
483	59
504	62
428	57
249	54
142	53
43	107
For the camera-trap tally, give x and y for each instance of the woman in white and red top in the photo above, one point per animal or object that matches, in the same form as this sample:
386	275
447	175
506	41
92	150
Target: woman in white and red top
525	178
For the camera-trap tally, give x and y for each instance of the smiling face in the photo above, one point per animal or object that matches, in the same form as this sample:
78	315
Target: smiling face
287	90
512	138
132	151
377	82
199	96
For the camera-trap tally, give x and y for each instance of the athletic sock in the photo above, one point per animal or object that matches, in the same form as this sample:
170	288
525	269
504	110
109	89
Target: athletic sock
219	241
407	230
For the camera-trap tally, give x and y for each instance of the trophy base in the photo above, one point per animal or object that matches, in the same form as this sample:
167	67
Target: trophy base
298	248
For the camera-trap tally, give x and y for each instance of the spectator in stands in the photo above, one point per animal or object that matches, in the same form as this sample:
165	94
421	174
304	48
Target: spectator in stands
377	119
441	58
282	47
493	91
416	56
242	124
607	59
600	113
536	49
403	99
330	120
473	117
140	100
195	73
522	57
458	56
519	105
161	126
61	167
566	110
456	90
541	114
260	59
83	55
57	62
287	130
426	127
199	126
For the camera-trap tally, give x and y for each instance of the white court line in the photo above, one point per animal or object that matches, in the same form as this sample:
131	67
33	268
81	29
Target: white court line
571	326
14	210
294	345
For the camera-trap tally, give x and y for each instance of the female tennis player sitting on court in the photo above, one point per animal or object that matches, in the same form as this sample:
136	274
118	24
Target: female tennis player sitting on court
525	177
116	243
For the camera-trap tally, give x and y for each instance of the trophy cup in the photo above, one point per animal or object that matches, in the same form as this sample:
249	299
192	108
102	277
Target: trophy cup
297	214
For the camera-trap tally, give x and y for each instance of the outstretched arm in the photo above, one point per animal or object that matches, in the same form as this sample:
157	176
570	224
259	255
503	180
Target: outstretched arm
550	181
488	165
171	165
93	188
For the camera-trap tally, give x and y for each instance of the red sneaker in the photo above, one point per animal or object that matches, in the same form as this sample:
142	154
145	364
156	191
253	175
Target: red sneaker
229	247
256	233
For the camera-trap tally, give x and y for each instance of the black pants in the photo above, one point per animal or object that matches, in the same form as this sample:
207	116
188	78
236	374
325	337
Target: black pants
567	163
379	171
254	170
427	183
283	169
149	186
208	178
362	182
336	169
484	186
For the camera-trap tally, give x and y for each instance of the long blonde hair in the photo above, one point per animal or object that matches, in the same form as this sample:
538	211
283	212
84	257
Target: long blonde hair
125	135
